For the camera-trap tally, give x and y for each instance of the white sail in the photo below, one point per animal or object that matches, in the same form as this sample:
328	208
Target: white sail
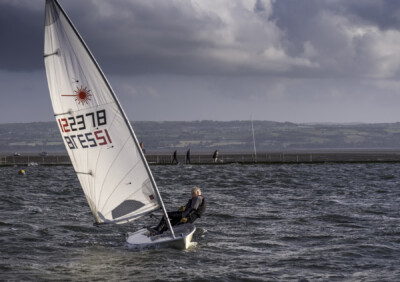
99	139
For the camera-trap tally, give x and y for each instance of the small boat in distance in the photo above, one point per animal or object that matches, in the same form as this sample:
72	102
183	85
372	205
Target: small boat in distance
98	136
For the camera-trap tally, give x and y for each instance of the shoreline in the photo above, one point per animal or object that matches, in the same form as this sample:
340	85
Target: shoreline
273	157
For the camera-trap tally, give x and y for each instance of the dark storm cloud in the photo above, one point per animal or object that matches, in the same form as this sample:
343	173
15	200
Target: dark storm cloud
307	38
21	30
151	37
384	13
125	36
297	20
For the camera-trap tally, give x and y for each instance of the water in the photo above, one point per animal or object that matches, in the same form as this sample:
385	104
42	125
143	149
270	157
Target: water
311	222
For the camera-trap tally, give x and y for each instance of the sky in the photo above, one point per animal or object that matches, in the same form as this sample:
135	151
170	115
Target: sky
303	61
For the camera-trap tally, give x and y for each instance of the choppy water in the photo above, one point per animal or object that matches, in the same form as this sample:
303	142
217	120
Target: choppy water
315	222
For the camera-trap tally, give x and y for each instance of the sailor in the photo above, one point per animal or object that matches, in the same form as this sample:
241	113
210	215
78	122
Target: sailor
194	209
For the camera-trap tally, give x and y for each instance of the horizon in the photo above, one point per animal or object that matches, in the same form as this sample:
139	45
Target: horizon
226	121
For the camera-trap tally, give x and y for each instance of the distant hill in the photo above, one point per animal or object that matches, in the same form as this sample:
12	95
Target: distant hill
232	136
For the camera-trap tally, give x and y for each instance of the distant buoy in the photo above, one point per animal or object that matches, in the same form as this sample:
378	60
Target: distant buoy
21	172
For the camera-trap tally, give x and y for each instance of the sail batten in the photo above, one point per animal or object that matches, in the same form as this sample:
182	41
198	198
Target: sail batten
97	134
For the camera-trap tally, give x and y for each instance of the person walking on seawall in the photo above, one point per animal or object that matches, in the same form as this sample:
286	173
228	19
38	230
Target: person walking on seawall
142	147
193	210
215	156
188	156
175	158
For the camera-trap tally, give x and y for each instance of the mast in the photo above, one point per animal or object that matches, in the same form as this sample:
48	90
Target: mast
126	120
254	140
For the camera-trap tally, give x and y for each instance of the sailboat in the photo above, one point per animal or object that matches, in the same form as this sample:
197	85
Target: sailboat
103	148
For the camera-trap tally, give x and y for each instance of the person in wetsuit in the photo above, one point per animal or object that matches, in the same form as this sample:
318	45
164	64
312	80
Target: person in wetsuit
194	208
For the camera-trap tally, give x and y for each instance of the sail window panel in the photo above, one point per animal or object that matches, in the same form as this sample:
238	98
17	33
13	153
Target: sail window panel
126	207
126	217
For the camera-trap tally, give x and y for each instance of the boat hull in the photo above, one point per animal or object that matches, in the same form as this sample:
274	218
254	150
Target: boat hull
183	236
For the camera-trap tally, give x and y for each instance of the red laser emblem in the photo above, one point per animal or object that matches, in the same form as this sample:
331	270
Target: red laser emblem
82	95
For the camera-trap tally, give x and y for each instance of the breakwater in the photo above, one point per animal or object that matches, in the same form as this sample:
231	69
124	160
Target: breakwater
227	158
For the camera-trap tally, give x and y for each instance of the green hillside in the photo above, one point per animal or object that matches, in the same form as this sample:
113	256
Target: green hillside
210	135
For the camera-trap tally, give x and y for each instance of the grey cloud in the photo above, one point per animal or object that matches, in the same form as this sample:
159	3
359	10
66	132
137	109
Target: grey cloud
150	37
384	13
158	38
259	6
307	38
286	60
136	37
346	36
21	30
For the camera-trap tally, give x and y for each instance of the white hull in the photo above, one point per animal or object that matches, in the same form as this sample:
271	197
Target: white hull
183	237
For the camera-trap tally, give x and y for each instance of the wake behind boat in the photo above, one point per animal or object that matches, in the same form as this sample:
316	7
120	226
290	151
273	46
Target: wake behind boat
98	136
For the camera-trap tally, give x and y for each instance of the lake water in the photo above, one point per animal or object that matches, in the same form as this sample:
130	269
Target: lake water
301	222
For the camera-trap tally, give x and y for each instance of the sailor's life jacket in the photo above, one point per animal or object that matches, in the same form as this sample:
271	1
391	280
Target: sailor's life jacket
195	214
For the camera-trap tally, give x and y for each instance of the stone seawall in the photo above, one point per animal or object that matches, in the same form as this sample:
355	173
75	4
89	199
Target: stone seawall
263	158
